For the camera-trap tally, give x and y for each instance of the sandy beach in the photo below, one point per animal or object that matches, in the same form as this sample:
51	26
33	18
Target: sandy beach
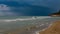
53	29
25	26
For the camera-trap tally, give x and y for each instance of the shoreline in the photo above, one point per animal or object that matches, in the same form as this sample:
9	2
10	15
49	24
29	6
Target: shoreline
53	29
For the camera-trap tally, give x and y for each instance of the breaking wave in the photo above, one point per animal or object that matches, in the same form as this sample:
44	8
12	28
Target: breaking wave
23	19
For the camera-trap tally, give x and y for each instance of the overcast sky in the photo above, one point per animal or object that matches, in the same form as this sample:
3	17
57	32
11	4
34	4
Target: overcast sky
49	3
29	7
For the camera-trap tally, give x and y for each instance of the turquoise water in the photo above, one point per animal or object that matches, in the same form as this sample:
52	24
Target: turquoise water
17	22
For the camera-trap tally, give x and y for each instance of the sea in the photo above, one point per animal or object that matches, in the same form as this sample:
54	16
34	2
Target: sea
25	24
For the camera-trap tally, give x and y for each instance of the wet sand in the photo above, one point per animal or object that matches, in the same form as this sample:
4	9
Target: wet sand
53	29
24	30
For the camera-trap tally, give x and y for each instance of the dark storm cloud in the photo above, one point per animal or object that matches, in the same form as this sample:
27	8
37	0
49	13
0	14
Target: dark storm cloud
48	3
31	7
41	2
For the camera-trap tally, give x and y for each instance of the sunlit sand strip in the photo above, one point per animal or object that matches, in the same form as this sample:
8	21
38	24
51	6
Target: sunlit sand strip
37	32
53	29
46	28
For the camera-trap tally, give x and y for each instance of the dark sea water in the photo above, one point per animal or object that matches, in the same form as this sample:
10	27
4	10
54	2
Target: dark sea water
25	24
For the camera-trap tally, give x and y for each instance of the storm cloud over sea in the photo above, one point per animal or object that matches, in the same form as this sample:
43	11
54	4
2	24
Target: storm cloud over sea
28	7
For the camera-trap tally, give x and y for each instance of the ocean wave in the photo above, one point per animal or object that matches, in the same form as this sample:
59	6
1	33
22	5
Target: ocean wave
18	19
23	19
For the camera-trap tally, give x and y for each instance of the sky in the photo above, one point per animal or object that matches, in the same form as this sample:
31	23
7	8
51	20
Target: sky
28	7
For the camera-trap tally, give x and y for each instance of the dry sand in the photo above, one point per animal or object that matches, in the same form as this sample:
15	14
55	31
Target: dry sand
54	29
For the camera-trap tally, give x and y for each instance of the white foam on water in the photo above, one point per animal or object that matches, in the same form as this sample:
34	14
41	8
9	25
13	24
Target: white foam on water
25	19
37	32
47	27
18	19
50	25
41	24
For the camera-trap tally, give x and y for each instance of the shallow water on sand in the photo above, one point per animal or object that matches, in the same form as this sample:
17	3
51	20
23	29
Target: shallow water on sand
25	25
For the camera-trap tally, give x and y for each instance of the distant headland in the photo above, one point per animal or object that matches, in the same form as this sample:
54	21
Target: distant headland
55	14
